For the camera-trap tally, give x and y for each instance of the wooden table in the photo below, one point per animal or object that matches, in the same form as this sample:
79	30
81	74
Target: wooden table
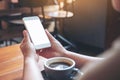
11	63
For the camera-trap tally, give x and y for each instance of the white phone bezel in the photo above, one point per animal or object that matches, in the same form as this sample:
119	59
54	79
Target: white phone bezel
39	46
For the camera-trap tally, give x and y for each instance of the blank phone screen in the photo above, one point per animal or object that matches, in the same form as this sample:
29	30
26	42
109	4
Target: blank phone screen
36	31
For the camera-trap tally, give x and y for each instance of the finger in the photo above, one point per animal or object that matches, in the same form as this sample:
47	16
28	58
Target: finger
23	41
51	38
26	36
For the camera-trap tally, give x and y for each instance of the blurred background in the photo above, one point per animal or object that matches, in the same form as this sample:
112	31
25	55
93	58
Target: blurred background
84	26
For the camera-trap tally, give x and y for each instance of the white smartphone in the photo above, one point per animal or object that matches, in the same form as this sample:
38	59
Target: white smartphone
36	32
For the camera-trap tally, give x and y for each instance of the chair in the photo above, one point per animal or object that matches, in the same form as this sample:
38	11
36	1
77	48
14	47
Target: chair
0	29
13	30
9	35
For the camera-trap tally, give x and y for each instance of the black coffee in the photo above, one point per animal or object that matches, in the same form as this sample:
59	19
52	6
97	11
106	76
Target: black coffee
59	65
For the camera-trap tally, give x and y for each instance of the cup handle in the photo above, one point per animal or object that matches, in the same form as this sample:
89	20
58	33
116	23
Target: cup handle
76	73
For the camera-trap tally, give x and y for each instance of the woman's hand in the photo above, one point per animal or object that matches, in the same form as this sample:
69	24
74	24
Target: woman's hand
27	47
55	50
29	51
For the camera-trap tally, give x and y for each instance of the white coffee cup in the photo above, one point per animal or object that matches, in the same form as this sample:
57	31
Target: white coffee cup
60	68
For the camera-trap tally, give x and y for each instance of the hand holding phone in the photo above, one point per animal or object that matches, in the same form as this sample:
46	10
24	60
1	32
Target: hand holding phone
36	32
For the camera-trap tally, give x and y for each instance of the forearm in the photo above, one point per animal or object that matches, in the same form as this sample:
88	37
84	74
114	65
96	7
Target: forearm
80	59
107	69
31	70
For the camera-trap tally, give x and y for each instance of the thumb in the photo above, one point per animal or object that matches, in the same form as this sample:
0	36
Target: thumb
51	38
26	36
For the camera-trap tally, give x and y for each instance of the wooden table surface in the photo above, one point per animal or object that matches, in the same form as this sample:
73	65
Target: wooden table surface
11	63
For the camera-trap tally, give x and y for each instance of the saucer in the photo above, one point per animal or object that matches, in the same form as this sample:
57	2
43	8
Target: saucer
71	76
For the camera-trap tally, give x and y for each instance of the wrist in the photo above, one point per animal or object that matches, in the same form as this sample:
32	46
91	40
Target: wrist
30	62
34	57
65	53
29	59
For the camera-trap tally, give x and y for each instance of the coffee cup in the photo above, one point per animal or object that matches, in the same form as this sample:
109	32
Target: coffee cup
60	68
